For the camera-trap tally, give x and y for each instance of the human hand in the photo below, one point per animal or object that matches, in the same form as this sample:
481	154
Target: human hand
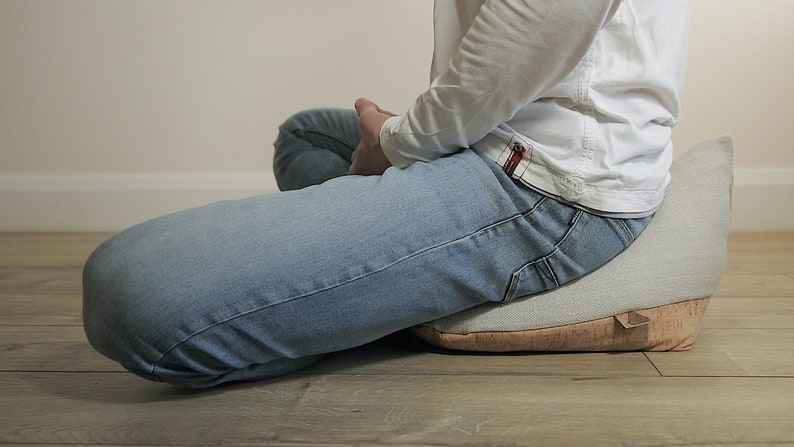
368	158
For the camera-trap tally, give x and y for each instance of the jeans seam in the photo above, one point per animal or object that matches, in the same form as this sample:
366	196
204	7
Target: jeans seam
515	277
547	257
627	230
548	266
341	283
574	222
338	137
534	207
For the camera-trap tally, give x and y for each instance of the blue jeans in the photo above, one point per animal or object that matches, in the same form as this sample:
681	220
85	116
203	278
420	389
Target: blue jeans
254	288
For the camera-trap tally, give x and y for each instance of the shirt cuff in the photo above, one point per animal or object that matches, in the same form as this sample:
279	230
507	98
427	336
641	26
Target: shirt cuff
388	137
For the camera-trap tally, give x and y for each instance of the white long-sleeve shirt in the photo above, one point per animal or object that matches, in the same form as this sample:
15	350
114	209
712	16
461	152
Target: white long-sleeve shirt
589	89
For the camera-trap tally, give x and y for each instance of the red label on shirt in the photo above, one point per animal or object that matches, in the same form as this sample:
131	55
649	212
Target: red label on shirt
516	155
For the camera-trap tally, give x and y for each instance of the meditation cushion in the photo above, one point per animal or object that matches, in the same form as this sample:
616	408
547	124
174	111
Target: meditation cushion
650	297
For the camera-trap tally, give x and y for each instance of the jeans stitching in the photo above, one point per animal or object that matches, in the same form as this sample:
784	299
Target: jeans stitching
574	222
534	207
627	230
548	266
339	284
547	257
338	137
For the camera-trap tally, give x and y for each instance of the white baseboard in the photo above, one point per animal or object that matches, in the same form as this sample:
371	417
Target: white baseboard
763	199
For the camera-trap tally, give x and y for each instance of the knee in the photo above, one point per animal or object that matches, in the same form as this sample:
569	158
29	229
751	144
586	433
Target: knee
129	315
111	319
325	124
132	312
99	308
307	119
293	127
295	122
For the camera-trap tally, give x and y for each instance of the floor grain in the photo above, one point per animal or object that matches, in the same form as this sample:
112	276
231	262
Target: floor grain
735	387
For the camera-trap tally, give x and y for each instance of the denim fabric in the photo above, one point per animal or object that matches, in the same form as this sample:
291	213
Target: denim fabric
315	146
254	288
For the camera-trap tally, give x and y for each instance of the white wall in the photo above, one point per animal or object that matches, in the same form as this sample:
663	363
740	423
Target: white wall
739	82
116	111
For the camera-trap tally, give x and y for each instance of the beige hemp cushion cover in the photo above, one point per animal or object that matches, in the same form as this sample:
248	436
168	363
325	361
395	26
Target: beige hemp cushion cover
650	297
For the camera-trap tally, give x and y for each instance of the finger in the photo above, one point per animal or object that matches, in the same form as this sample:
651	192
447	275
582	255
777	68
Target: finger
365	105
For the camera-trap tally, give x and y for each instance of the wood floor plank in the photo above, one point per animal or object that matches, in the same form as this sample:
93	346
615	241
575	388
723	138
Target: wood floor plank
404	354
750	313
756	285
760	254
765	241
64	348
38	310
47	249
399	410
760	262
50	348
41	281
733	388
732	353
372	362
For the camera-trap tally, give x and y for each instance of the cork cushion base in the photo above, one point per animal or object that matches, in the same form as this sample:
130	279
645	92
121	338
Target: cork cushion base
672	327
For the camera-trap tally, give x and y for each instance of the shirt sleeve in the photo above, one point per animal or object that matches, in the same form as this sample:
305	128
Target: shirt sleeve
514	52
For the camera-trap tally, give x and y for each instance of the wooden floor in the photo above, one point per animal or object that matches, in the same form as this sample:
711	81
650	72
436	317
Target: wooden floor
736	387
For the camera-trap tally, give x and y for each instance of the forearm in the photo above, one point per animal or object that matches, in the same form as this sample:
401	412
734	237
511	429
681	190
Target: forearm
513	53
